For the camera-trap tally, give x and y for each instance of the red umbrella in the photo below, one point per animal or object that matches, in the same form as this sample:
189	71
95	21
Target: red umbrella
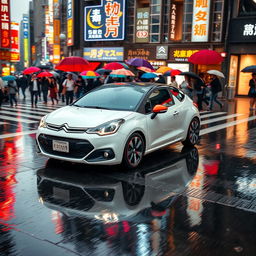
45	74
206	57
173	72
73	64
31	70
113	66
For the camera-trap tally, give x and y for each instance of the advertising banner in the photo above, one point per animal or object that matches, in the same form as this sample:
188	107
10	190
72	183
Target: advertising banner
200	23
5	26
104	54
15	52
70	23
26	38
56	31
142	25
105	22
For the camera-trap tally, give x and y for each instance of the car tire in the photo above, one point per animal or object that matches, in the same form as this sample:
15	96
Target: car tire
133	151
193	133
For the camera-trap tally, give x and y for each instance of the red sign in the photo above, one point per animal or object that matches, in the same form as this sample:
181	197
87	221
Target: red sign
15	53
5	26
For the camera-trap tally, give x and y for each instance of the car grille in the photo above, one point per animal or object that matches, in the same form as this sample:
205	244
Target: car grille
77	148
77	198
66	128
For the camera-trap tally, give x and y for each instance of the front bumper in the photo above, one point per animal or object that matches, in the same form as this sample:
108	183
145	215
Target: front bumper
83	147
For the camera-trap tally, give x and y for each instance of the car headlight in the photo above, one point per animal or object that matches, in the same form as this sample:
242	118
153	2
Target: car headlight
107	128
42	123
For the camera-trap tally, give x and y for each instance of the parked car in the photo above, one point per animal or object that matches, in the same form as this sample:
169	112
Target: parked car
118	123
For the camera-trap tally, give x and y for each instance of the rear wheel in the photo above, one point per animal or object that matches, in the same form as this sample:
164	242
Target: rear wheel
133	151
193	133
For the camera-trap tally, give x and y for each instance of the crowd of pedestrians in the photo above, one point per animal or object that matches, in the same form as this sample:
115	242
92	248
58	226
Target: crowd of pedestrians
68	86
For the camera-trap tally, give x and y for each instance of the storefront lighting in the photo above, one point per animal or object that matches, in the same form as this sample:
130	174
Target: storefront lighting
223	54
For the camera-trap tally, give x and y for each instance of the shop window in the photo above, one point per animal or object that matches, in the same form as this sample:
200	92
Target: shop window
155	9
247	8
218	9
187	19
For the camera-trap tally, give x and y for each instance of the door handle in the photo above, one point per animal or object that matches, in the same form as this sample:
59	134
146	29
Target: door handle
175	113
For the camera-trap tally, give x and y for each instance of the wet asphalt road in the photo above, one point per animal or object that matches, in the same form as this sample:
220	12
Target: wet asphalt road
197	201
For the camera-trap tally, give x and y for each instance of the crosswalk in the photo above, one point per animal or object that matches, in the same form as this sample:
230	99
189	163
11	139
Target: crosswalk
29	118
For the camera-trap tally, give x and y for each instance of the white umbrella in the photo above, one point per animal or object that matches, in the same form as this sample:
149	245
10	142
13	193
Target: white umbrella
216	73
55	74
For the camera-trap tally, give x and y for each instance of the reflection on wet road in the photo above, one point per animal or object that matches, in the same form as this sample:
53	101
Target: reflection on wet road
180	201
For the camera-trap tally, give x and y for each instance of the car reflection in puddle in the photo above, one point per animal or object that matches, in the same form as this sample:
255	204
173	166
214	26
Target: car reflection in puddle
123	198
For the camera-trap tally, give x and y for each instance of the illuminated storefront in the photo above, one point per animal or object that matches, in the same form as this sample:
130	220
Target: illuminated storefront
242	48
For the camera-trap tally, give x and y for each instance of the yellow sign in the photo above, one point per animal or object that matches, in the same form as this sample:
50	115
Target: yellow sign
56	53
70	32
26	49
6	71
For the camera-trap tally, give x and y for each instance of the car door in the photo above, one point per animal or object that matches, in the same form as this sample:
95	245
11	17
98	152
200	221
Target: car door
164	128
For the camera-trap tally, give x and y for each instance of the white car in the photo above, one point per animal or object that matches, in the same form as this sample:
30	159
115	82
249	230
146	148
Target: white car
119	123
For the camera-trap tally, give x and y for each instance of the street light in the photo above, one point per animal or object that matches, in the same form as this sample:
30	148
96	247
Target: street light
63	45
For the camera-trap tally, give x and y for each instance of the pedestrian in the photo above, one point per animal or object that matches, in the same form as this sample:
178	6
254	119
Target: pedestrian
68	89
34	88
97	82
161	80
89	85
53	86
252	91
45	86
79	87
23	85
215	87
1	92
187	87
173	82
13	90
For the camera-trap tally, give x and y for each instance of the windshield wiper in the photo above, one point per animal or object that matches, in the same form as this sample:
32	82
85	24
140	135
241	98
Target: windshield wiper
97	107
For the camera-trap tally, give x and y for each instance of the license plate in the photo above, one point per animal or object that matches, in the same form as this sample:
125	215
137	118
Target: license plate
61	194
61	146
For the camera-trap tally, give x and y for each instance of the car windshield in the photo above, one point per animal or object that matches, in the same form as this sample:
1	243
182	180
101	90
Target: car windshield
113	97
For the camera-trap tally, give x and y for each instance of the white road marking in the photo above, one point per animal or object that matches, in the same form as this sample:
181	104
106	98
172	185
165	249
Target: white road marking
213	114
18	119
220	119
16	110
10	135
21	114
226	125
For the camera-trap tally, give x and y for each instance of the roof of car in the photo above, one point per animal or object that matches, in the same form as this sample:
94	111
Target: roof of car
147	86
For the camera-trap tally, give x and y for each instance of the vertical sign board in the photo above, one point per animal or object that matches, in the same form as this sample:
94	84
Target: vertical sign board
173	21
105	22
5	26
56	31
70	23
15	53
200	24
142	25
25	39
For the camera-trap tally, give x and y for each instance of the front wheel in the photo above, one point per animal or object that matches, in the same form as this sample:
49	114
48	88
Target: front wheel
133	151
193	133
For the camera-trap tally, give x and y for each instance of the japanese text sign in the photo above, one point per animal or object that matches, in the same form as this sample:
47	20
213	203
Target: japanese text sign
70	23
5	26
105	22
104	54
142	25
200	24
173	21
181	55
15	53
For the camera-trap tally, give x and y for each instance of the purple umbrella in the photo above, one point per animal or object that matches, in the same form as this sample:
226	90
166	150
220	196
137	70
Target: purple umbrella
137	62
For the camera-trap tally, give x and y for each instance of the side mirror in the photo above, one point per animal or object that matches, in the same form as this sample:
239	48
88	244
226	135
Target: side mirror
158	109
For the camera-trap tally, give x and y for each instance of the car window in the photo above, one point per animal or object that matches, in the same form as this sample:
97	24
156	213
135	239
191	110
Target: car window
159	97
177	93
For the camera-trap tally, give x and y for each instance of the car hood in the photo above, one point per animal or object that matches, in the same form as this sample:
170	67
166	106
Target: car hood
84	117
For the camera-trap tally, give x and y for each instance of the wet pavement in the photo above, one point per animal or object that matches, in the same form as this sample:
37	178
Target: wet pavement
180	201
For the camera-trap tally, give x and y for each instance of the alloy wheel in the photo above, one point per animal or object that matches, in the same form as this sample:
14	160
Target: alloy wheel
135	148
194	131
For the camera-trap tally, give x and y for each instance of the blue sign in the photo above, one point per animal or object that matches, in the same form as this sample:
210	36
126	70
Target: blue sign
104	54
70	9
105	22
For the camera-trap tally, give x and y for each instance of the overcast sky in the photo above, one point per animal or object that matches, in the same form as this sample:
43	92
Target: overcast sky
19	7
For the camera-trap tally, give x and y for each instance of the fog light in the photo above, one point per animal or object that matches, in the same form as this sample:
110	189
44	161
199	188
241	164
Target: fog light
106	194
106	154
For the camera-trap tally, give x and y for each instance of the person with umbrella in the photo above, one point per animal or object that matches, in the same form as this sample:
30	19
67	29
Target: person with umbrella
68	88
252	91
13	89
173	82
215	87
80	87
45	85
23	82
34	88
53	86
186	86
